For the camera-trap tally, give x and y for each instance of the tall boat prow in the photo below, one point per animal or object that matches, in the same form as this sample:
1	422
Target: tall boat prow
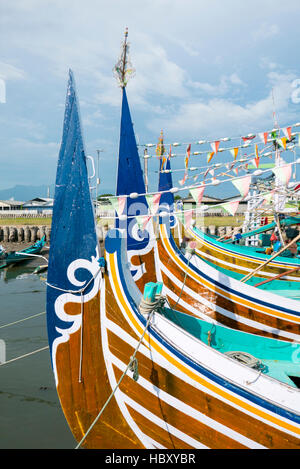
130	185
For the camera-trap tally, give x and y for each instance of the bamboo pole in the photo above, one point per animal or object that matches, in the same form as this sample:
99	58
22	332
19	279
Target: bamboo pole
244	279
288	272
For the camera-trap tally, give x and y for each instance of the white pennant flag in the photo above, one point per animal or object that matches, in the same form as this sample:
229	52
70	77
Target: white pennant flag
243	185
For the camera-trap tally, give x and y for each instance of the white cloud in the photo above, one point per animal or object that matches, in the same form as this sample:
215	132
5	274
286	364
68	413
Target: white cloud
265	31
10	72
217	117
224	86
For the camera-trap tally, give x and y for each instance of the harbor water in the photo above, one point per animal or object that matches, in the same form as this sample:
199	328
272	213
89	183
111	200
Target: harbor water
30	412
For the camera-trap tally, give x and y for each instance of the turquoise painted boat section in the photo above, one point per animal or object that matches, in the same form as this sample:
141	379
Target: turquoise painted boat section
279	360
248	251
279	287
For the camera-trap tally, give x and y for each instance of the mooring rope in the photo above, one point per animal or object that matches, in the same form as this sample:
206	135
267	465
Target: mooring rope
25	355
21	320
131	365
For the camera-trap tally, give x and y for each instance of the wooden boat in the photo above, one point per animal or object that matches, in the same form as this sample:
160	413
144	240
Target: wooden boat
15	257
199	289
242	259
131	373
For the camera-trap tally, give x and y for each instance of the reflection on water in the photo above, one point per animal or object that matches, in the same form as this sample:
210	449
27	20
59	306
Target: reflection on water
30	413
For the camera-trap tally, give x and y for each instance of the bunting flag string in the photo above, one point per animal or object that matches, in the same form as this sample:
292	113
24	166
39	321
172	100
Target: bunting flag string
246	139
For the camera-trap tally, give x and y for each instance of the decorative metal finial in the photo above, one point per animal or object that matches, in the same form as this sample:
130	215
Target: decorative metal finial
123	70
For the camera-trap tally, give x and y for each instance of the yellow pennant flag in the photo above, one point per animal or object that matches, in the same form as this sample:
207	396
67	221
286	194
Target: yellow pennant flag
209	156
234	152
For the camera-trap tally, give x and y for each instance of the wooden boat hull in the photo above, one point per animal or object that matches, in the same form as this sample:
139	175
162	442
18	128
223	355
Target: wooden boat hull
198	289
179	401
239	258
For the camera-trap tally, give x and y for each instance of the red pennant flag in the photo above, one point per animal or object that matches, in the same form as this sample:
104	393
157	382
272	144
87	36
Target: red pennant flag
251	137
264	137
288	132
182	181
256	159
215	146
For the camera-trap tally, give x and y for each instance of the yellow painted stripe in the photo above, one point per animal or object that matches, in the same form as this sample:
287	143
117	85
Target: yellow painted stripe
223	394
230	296
236	255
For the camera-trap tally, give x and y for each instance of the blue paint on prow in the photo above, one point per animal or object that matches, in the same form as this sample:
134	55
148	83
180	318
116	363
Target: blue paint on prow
73	232
166	203
129	180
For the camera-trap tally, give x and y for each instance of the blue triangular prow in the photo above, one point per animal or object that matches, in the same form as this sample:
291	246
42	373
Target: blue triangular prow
130	178
164	184
73	232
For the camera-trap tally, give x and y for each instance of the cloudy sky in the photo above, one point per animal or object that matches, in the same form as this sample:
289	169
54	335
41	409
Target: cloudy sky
204	69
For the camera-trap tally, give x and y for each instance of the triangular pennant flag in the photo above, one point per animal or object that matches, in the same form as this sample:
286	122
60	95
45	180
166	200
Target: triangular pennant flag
209	156
257	158
118	204
188	153
283	141
283	173
234	152
197	194
231	207
215	146
250	137
188	217
142	221
182	181
243	185
287	132
153	202
264	137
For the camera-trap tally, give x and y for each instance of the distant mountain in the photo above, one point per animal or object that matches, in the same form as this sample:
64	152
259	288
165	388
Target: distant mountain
24	193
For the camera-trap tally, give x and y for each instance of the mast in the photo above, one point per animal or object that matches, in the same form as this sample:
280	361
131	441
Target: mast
123	69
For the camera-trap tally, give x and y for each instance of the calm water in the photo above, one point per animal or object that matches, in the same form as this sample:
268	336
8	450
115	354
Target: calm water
30	414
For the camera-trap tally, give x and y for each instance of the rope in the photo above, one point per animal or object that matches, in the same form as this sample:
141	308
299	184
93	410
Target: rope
248	360
185	276
131	365
21	320
23	356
